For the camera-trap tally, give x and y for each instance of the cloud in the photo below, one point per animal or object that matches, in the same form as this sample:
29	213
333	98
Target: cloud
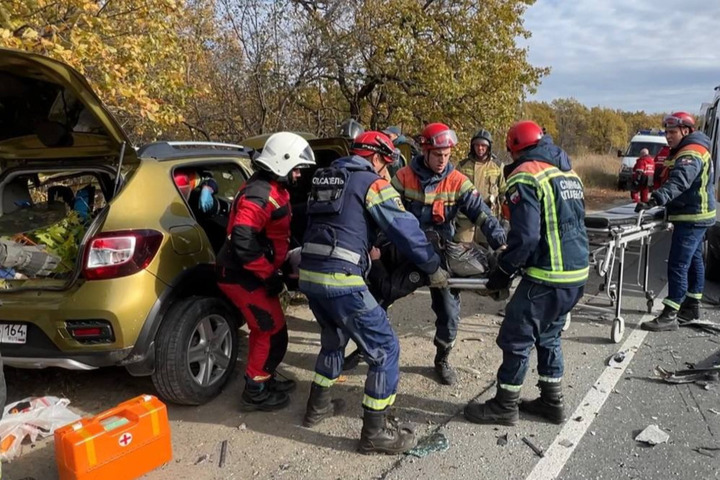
645	55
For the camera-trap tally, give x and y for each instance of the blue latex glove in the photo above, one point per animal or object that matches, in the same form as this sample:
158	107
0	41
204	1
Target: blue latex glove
206	199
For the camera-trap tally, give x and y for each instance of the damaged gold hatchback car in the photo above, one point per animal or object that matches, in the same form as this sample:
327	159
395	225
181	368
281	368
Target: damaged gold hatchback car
136	285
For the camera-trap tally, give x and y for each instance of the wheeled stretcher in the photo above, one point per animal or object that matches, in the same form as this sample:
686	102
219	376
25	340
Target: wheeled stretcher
612	234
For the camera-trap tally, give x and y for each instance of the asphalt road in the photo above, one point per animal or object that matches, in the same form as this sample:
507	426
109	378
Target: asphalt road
611	405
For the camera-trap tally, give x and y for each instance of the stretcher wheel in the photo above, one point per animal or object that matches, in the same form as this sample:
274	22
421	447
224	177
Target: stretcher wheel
650	305
618	329
567	321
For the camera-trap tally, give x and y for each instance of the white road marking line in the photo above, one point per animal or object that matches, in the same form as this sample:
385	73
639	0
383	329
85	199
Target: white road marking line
556	456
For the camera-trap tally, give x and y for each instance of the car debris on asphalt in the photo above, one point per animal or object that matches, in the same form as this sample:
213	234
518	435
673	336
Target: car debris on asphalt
435	442
652	435
690	375
538	451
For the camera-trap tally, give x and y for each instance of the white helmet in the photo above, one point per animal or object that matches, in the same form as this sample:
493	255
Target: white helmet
283	152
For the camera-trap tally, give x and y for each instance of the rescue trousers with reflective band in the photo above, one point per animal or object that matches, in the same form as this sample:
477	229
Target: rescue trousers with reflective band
357	316
446	305
686	269
268	340
535	317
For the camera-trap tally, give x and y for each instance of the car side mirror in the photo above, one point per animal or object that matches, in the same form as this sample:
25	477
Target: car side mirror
620	153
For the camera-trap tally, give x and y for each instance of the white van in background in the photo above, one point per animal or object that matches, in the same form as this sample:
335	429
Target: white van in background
653	140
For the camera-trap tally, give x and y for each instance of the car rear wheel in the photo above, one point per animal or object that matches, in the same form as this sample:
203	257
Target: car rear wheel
196	350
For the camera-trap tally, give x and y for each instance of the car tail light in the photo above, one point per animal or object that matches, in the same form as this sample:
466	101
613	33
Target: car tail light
121	253
90	331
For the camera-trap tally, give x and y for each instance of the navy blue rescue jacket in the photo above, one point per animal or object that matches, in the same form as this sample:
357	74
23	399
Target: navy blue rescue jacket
689	191
547	236
349	203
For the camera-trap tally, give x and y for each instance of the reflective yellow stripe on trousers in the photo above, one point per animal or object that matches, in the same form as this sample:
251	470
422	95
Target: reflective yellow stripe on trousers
378	404
332	279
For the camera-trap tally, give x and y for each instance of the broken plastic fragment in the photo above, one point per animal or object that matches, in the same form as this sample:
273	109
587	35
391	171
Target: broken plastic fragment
652	435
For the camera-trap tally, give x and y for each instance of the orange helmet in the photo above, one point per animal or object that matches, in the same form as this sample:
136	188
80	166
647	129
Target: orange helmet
679	119
437	135
368	143
523	134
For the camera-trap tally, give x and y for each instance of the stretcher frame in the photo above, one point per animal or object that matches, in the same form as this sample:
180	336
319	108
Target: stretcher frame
467	283
608	247
607	255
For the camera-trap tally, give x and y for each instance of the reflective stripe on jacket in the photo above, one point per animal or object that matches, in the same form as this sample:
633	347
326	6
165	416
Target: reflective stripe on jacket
343	221
547	222
689	192
488	179
436	199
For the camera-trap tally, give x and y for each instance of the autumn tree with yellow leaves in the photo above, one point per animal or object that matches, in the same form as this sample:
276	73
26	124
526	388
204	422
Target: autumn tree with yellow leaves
133	52
229	69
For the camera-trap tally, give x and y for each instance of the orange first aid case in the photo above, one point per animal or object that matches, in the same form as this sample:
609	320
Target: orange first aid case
122	443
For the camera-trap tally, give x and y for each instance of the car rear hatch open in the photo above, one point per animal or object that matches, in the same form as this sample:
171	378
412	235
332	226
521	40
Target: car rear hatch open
51	124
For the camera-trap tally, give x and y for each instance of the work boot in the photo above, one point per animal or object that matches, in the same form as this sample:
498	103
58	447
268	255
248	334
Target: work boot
442	366
501	410
689	310
548	405
258	396
665	322
379	437
320	406
283	385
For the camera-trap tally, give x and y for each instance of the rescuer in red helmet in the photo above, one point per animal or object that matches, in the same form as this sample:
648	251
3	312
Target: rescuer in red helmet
349	204
435	192
549	244
689	197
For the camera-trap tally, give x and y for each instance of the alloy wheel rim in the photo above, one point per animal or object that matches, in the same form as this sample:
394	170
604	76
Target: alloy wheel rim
209	350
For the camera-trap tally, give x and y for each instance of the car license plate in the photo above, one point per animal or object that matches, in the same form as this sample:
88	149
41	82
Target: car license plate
13	333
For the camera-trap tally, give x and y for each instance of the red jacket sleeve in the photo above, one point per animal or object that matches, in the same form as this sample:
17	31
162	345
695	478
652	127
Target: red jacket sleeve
248	222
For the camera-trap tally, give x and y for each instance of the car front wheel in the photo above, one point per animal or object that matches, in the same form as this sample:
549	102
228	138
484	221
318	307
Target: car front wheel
196	350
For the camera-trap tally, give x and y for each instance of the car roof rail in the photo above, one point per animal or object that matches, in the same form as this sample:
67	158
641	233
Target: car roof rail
181	149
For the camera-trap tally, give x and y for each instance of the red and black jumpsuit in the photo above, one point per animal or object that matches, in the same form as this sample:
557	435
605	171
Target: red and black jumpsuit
642	179
258	235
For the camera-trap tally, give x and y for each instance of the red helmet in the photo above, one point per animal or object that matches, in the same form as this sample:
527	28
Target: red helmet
679	119
185	181
523	134
437	135
367	143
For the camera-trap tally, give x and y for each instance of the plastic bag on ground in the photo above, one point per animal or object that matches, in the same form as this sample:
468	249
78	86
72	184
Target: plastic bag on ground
468	260
32	418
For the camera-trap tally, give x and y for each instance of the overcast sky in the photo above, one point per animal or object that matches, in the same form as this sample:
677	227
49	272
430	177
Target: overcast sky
657	56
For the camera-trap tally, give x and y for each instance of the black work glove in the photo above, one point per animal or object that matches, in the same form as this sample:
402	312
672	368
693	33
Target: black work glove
651	203
274	284
498	280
